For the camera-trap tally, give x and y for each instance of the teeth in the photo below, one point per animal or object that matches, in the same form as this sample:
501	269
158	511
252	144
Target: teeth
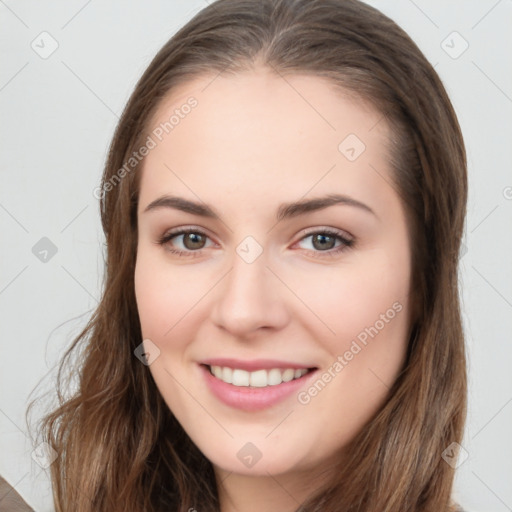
240	378
257	379
274	377
288	375
227	374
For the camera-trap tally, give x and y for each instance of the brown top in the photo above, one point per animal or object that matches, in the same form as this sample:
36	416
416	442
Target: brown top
10	500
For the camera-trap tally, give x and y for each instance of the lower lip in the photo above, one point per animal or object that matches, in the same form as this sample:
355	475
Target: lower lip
249	398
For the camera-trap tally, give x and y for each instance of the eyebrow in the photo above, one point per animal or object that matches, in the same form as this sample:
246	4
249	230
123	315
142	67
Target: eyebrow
285	210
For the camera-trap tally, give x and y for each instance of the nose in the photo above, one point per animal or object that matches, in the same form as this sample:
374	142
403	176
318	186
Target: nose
250	298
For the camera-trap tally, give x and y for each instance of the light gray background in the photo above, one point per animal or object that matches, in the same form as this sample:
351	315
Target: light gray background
58	115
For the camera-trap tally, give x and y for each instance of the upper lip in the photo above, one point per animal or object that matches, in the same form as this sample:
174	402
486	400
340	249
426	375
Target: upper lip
254	364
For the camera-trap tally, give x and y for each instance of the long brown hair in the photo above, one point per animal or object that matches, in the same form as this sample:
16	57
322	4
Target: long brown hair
119	446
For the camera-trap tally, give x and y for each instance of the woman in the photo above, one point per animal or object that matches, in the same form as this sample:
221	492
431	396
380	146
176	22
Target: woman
283	206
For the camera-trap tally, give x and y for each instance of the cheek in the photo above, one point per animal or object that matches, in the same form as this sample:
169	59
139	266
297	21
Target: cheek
366	308
153	299
165	295
352	297
366	356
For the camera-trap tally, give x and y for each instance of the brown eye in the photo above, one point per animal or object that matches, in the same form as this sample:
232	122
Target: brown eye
185	242
323	242
193	240
326	242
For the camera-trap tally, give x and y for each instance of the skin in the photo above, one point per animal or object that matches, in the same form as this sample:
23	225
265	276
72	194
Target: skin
255	141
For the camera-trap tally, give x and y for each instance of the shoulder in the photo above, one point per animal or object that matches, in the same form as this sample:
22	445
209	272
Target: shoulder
10	500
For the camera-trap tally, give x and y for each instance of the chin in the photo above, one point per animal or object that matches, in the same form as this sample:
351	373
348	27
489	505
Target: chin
254	458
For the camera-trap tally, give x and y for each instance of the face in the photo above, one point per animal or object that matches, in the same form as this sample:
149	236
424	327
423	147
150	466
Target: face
275	329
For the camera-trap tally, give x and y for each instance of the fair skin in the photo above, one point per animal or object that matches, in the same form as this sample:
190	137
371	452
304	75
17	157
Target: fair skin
253	142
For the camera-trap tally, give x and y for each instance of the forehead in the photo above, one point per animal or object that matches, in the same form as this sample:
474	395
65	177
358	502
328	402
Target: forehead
258	132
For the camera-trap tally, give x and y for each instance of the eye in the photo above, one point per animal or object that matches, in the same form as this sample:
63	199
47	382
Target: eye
323	242
192	239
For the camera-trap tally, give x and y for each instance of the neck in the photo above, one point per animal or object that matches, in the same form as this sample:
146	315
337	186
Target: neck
264	493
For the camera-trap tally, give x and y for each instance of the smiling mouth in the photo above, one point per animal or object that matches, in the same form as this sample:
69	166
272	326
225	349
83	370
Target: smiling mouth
256	379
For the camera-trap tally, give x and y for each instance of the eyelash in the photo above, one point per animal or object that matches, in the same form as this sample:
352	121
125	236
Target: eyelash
346	243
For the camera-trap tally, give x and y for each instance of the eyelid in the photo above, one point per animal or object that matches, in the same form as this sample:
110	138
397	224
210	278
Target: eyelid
187	228
335	231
